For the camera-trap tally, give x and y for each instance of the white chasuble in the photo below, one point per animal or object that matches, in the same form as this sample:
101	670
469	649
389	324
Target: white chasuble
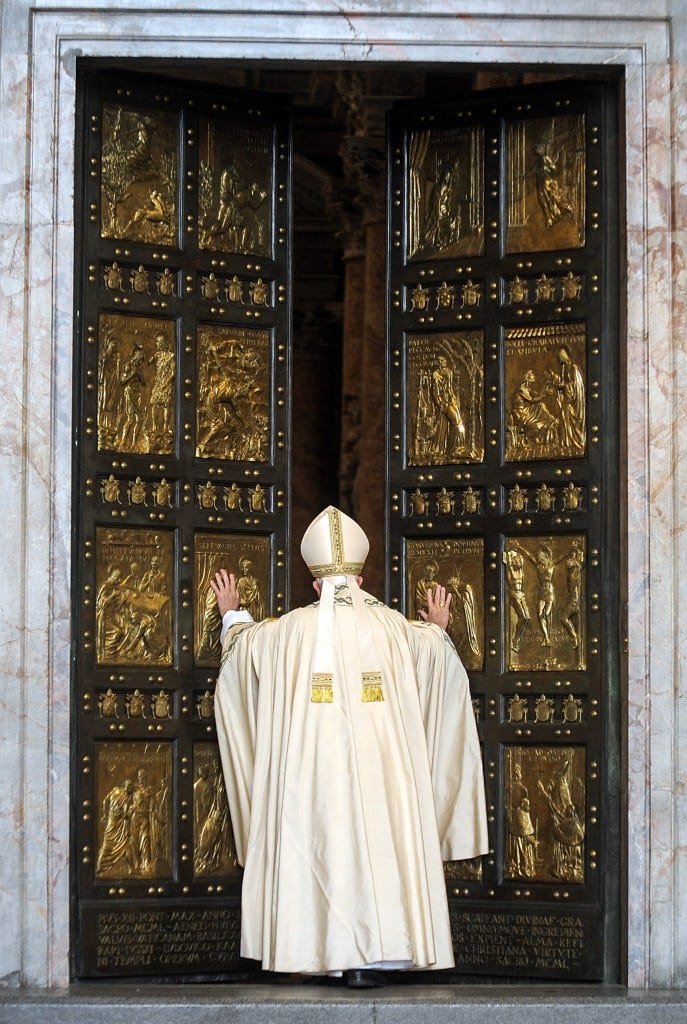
343	808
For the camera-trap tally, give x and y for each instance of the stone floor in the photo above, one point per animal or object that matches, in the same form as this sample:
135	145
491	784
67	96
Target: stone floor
98	1003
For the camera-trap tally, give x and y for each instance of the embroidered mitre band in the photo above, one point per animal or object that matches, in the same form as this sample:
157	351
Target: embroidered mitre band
335	546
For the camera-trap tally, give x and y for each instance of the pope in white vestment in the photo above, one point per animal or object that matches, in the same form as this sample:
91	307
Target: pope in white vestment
352	768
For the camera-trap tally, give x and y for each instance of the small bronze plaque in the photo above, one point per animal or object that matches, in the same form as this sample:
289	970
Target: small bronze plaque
546	412
445	193
546	168
133	795
545	625
457	564
445	406
139	175
249	559
233	389
133	610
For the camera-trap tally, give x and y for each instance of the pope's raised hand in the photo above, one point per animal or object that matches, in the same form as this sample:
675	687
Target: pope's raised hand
438	607
226	591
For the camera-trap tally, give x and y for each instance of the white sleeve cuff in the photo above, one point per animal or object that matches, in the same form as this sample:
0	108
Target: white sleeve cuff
230	618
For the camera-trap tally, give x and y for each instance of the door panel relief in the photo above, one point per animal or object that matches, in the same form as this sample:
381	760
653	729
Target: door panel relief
181	430
503	486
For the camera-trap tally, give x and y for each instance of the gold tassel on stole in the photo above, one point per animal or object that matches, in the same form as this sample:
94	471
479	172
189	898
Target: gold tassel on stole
372	687
321	691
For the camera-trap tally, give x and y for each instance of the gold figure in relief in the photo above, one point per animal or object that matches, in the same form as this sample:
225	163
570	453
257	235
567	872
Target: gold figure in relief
518	608
134	597
109	488
522	839
249	590
419	298
427	581
134	830
463	608
136	372
139	175
134	827
545	184
446	193
544	813
546	408
235	207
445	389
233	388
213	847
535	577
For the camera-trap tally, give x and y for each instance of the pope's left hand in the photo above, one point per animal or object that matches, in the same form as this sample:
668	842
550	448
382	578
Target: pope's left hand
226	591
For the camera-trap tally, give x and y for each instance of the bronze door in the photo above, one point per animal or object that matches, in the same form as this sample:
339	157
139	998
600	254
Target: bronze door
182	356
504	485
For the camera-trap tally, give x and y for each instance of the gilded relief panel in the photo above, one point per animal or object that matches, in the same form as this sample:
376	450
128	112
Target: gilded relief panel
545	390
133	797
235	187
545	628
233	389
544	814
214	852
135	587
458	564
546	165
136	377
445	398
446	193
248	557
139	175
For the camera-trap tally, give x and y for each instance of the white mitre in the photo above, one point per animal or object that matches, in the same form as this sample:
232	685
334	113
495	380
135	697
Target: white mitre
334	545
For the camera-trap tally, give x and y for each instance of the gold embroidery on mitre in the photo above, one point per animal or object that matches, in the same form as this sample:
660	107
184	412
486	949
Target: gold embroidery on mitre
321	691
372	687
336	536
336	569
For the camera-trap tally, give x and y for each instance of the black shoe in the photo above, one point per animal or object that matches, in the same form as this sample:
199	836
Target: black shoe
364	977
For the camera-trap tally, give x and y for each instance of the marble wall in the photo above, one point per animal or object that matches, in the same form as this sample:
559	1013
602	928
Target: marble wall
39	43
